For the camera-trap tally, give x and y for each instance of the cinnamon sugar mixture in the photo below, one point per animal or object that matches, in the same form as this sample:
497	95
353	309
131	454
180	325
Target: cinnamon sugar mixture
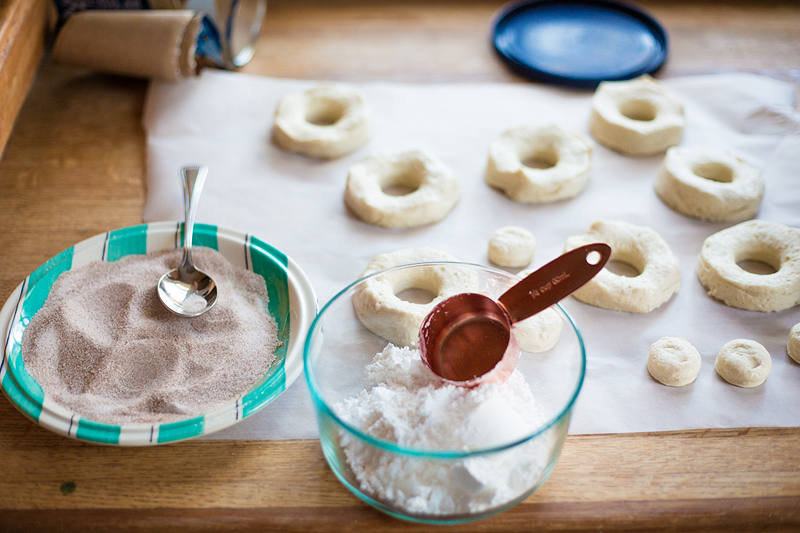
104	346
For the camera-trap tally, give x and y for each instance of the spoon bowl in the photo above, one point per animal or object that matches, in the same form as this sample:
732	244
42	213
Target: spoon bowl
187	293
186	290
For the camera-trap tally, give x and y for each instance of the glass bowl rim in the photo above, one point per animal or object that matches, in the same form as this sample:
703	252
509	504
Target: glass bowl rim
393	447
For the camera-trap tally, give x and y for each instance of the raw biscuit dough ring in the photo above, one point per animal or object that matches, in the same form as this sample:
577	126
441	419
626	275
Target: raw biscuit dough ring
637	117
709	184
744	363
566	156
642	248
434	189
673	361
380	309
511	246
793	346
326	121
755	240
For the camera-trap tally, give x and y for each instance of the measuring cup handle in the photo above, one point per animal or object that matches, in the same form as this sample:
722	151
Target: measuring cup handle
554	281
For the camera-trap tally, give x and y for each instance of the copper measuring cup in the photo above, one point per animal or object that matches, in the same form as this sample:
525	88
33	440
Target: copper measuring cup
467	339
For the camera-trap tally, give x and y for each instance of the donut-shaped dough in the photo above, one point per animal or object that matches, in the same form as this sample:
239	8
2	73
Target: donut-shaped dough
755	240
326	121
743	363
434	189
540	332
793	346
673	361
539	164
380	309
511	246
709	184
643	249
636	117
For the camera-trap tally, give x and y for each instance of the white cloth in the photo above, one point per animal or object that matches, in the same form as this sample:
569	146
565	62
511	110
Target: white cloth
295	203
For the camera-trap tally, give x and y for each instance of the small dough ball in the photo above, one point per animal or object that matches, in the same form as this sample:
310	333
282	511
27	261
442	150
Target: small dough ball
326	121
673	361
709	184
540	332
511	246
743	363
539	164
793	346
636	117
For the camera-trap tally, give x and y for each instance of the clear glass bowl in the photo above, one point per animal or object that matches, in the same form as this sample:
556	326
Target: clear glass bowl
430	483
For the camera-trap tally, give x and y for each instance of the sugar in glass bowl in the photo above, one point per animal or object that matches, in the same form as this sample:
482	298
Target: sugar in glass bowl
422	450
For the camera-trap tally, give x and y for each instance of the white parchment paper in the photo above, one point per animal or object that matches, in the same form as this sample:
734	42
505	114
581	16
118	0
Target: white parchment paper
296	204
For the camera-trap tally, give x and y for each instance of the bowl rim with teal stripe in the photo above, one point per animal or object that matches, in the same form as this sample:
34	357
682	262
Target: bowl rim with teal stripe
292	303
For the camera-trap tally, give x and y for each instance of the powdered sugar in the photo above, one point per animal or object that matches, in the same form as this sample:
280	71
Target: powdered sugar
405	403
104	346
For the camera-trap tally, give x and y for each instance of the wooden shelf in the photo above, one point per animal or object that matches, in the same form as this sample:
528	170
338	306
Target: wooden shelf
23	31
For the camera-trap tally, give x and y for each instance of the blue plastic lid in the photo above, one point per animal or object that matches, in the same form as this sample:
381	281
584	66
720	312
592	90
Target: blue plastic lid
579	43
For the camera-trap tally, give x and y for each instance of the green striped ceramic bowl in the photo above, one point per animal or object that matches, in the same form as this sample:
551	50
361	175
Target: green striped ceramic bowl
292	304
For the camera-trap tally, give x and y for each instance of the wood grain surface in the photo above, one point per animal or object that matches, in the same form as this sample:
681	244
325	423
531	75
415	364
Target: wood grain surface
74	167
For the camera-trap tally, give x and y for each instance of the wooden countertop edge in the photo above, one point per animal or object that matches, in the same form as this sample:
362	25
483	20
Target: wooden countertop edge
686	516
23	33
687	481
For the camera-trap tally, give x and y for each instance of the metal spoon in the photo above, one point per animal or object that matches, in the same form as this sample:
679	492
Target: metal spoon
187	291
467	339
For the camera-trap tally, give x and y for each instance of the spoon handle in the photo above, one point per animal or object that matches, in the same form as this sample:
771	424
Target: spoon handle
554	281
193	178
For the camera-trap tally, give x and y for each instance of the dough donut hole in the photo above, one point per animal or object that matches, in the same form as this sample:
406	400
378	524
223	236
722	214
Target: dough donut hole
673	361
637	117
793	346
639	110
541	158
641	248
744	363
709	184
511	246
432	189
540	332
539	164
326	121
383	312
722	254
324	111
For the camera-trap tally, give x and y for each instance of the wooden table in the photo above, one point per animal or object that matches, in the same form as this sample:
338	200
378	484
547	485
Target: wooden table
74	167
